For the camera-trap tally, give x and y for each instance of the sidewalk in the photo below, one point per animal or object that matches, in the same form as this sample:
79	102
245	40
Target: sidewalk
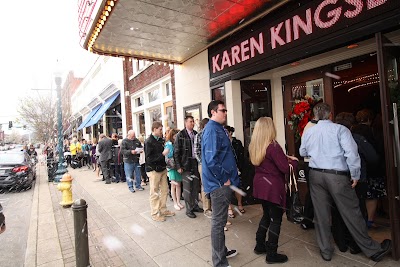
121	232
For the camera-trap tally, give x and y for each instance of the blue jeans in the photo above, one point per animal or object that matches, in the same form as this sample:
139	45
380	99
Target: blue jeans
130	170
220	200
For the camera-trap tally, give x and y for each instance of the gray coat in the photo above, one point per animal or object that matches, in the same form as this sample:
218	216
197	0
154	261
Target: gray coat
105	146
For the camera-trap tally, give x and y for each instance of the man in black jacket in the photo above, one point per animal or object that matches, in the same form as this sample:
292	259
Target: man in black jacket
131	149
157	172
187	165
105	146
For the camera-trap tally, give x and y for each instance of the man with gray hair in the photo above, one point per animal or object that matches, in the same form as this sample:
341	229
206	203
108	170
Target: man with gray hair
131	149
334	172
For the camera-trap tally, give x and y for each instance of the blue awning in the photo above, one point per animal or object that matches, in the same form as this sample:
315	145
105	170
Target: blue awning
96	117
88	117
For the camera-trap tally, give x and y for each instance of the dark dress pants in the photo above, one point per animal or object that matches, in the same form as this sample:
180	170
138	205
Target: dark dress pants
325	188
191	186
308	212
105	168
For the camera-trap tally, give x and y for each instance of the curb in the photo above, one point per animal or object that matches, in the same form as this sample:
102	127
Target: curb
31	248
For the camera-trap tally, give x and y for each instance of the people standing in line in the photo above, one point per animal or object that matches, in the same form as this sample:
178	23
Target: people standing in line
75	148
197	153
131	149
142	162
269	186
93	154
173	175
157	172
334	172
375	179
219	171
104	148
186	165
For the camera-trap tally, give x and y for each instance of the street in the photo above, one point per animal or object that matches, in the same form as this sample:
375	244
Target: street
17	210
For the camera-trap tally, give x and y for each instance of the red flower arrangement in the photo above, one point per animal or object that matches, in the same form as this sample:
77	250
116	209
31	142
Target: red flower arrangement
301	114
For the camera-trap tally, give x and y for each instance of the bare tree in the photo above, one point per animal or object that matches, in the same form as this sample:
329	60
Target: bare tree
39	112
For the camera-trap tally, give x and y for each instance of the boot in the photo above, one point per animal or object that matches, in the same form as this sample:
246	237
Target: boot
273	256
260	248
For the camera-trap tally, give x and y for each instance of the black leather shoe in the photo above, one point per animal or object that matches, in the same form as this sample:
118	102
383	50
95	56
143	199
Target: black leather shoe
326	258
191	215
198	209
386	245
355	250
305	226
342	248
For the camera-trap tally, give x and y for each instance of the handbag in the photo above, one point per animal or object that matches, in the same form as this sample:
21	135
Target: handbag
294	212
170	163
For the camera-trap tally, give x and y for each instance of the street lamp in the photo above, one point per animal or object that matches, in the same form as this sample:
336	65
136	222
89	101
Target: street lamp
60	147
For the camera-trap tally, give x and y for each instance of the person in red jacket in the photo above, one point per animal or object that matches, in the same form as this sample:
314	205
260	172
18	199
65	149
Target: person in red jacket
269	183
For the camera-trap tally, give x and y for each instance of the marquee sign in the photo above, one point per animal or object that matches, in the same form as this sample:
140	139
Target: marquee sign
301	25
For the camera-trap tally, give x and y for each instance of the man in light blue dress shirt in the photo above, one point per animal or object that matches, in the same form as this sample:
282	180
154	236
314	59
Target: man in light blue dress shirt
334	172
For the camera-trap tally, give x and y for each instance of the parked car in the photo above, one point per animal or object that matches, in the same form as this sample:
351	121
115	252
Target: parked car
17	171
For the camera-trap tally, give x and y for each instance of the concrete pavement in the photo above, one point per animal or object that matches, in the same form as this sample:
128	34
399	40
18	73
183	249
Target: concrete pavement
121	232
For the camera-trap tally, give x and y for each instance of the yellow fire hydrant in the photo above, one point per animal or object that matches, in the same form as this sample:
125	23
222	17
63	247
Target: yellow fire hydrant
65	186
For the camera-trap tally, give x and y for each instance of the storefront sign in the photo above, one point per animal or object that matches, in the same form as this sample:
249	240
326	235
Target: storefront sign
300	26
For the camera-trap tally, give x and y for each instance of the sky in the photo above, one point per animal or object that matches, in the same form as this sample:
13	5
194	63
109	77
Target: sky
35	34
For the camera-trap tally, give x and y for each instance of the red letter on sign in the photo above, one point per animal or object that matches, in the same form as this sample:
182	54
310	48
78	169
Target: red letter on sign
245	48
215	64
298	23
374	3
358	4
257	46
333	14
275	36
235	54
225	60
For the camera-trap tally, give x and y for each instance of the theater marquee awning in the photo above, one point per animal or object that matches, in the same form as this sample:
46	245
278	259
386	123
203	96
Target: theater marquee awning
164	30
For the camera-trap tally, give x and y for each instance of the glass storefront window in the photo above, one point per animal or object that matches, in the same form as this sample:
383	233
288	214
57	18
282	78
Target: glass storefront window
256	103
141	123
168	89
154	95
170	116
139	101
155	114
195	112
218	94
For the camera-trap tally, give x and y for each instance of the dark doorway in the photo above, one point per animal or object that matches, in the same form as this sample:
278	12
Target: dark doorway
256	103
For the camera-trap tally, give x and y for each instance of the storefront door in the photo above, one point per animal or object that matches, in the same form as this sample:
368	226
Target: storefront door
389	71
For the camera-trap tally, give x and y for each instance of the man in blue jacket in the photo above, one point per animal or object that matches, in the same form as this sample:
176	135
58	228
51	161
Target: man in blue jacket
219	173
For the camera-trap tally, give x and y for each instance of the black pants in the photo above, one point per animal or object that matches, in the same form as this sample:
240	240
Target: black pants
191	186
105	168
145	178
308	205
271	220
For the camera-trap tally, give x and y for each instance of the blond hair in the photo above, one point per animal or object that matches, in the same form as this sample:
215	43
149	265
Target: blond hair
141	139
264	134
